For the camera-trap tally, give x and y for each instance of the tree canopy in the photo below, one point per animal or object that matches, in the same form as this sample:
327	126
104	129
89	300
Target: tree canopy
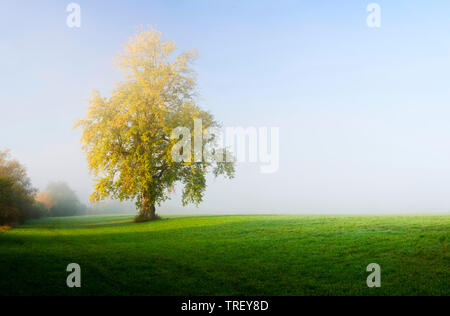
60	200
128	137
16	192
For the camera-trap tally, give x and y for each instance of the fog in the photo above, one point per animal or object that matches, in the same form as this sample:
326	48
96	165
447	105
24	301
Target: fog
362	113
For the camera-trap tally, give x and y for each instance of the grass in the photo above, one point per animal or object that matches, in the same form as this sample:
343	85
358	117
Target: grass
228	255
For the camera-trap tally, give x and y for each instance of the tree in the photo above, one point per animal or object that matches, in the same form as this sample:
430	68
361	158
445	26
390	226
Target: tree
9	213
59	200
16	192
127	137
47	202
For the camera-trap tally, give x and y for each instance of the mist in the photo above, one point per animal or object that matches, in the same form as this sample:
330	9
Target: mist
362	115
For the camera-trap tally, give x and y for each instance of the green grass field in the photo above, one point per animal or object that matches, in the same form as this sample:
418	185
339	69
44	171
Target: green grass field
228	255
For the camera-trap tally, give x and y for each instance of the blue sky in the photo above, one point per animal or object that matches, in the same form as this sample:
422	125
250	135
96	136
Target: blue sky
363	113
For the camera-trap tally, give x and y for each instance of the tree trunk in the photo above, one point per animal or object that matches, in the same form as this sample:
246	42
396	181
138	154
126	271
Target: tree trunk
152	212
148	209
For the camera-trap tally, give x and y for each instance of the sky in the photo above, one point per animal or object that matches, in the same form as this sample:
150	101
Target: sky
362	112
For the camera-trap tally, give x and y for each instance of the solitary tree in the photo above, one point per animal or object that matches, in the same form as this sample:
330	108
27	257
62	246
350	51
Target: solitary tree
128	137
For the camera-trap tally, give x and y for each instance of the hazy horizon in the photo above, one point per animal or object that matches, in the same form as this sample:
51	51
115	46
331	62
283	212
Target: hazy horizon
362	112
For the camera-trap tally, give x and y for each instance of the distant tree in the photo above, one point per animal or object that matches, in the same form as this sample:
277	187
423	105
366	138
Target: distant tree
127	137
46	201
59	200
16	192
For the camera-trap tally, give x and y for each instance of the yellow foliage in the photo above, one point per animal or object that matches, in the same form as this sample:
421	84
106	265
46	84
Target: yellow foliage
126	137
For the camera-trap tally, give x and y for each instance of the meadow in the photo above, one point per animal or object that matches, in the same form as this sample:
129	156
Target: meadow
228	255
